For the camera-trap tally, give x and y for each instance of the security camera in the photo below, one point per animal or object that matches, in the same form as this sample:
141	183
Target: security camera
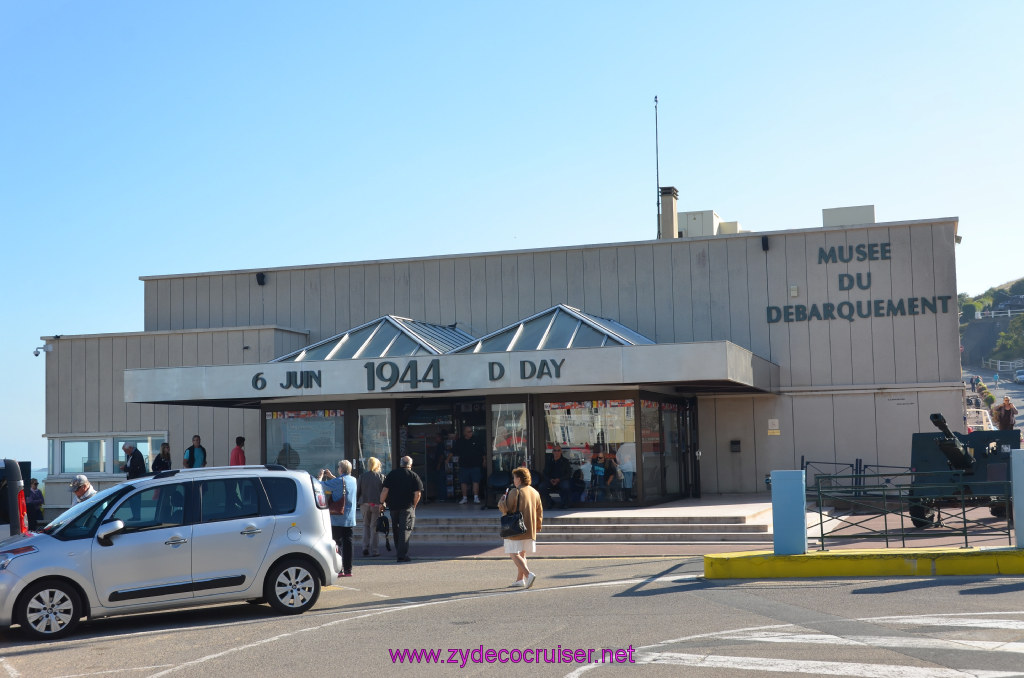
36	353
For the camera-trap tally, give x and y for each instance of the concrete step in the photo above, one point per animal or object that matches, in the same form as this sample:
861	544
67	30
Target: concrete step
493	519
602	538
669	529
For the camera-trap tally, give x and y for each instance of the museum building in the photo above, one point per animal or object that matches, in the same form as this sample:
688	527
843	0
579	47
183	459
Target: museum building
694	363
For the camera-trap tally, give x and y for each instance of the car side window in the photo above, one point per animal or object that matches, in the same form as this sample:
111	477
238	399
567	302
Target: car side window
229	498
153	508
282	493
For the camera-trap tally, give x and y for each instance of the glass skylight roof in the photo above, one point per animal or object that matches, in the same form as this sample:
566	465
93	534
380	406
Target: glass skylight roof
558	327
387	336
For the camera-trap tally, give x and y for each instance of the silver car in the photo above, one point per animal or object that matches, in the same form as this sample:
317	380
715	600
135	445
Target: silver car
180	538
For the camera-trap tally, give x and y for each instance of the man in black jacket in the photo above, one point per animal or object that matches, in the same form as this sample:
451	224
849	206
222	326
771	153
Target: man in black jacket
134	464
403	489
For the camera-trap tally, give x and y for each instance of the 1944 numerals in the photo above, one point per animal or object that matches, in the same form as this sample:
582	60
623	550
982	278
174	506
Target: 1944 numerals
389	375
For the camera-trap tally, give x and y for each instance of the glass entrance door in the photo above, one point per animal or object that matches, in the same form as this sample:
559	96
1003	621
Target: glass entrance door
670	427
375	437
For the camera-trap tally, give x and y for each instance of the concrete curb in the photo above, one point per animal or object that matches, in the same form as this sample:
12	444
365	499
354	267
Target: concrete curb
922	562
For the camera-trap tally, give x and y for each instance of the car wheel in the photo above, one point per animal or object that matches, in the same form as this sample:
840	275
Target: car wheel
49	609
291	587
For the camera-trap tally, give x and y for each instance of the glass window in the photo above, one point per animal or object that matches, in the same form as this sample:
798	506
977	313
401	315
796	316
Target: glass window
650	448
319	352
353	342
307	440
229	499
148	445
376	346
82	456
375	437
561	331
403	346
591	433
82	519
282	493
508	437
588	337
531	334
152	508
497	343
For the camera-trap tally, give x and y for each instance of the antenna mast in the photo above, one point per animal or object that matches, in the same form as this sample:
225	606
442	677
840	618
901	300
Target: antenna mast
657	168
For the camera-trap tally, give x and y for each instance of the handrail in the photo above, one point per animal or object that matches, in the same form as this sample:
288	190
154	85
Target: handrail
1003	365
978	315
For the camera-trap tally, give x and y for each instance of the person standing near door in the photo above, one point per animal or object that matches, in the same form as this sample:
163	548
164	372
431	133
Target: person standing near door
470	452
403	489
195	456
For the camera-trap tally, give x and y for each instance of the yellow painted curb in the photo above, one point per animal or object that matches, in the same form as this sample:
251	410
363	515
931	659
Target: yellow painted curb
864	563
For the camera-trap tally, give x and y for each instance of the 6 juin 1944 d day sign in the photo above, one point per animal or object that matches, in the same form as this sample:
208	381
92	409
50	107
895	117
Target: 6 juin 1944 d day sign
865	308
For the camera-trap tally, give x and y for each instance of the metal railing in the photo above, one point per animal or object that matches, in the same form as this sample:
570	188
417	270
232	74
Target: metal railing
899	507
1003	365
978	315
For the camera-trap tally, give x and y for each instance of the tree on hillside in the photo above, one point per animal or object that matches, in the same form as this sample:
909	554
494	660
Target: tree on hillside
1017	287
1010	344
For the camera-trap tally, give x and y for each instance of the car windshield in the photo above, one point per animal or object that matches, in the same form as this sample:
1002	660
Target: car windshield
79	520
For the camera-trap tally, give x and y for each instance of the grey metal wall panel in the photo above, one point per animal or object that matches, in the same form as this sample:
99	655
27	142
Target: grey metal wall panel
312	307
646	313
91	386
883	354
559	279
778	295
133	411
432	292
478	292
541	281
524	267
855	427
700	290
356	297
495	290
150	306
163	294
251	355
175	350
947	326
839	330
925	332
250	301
591	282
904	342
147	358
736	471
402	293
799	333
208	433
664	311
719	289
219	348
386	303
625	266
204	343
509	290
739	293
773	452
77	386
342	301
861	330
328	304
217	284
119	360
203	301
813	430
897	418
53	389
447	280
709	462
815	291
417	300
268	294
296	303
229	301
609	287
463	296
188	300
575	295
757	302
177	307
106	386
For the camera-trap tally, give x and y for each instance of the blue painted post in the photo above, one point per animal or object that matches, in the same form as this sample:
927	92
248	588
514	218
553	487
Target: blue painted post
1017	493
789	512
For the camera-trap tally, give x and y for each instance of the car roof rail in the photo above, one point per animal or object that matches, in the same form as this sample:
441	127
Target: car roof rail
275	467
168	473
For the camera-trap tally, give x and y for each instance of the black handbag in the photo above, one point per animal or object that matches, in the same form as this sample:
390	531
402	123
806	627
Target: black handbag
384	527
512	524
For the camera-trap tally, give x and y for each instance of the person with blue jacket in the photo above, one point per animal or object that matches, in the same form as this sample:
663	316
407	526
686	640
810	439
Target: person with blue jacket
342	506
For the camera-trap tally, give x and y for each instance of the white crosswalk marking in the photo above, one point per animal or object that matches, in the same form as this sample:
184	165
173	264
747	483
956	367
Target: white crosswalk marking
814	667
875	641
955	620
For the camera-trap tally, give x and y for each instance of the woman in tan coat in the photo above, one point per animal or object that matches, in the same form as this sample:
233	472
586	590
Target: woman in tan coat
526	500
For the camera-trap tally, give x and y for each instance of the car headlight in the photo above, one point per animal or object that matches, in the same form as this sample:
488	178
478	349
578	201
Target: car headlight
7	556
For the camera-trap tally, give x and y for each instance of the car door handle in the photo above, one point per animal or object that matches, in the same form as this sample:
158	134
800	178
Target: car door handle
250	531
176	540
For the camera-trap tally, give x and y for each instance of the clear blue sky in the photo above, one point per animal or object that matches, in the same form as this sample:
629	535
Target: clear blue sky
148	138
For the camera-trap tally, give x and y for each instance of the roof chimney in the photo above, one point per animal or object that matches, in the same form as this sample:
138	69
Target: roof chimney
668	222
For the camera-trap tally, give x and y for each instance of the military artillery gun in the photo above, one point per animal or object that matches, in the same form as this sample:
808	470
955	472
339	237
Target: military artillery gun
954	468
